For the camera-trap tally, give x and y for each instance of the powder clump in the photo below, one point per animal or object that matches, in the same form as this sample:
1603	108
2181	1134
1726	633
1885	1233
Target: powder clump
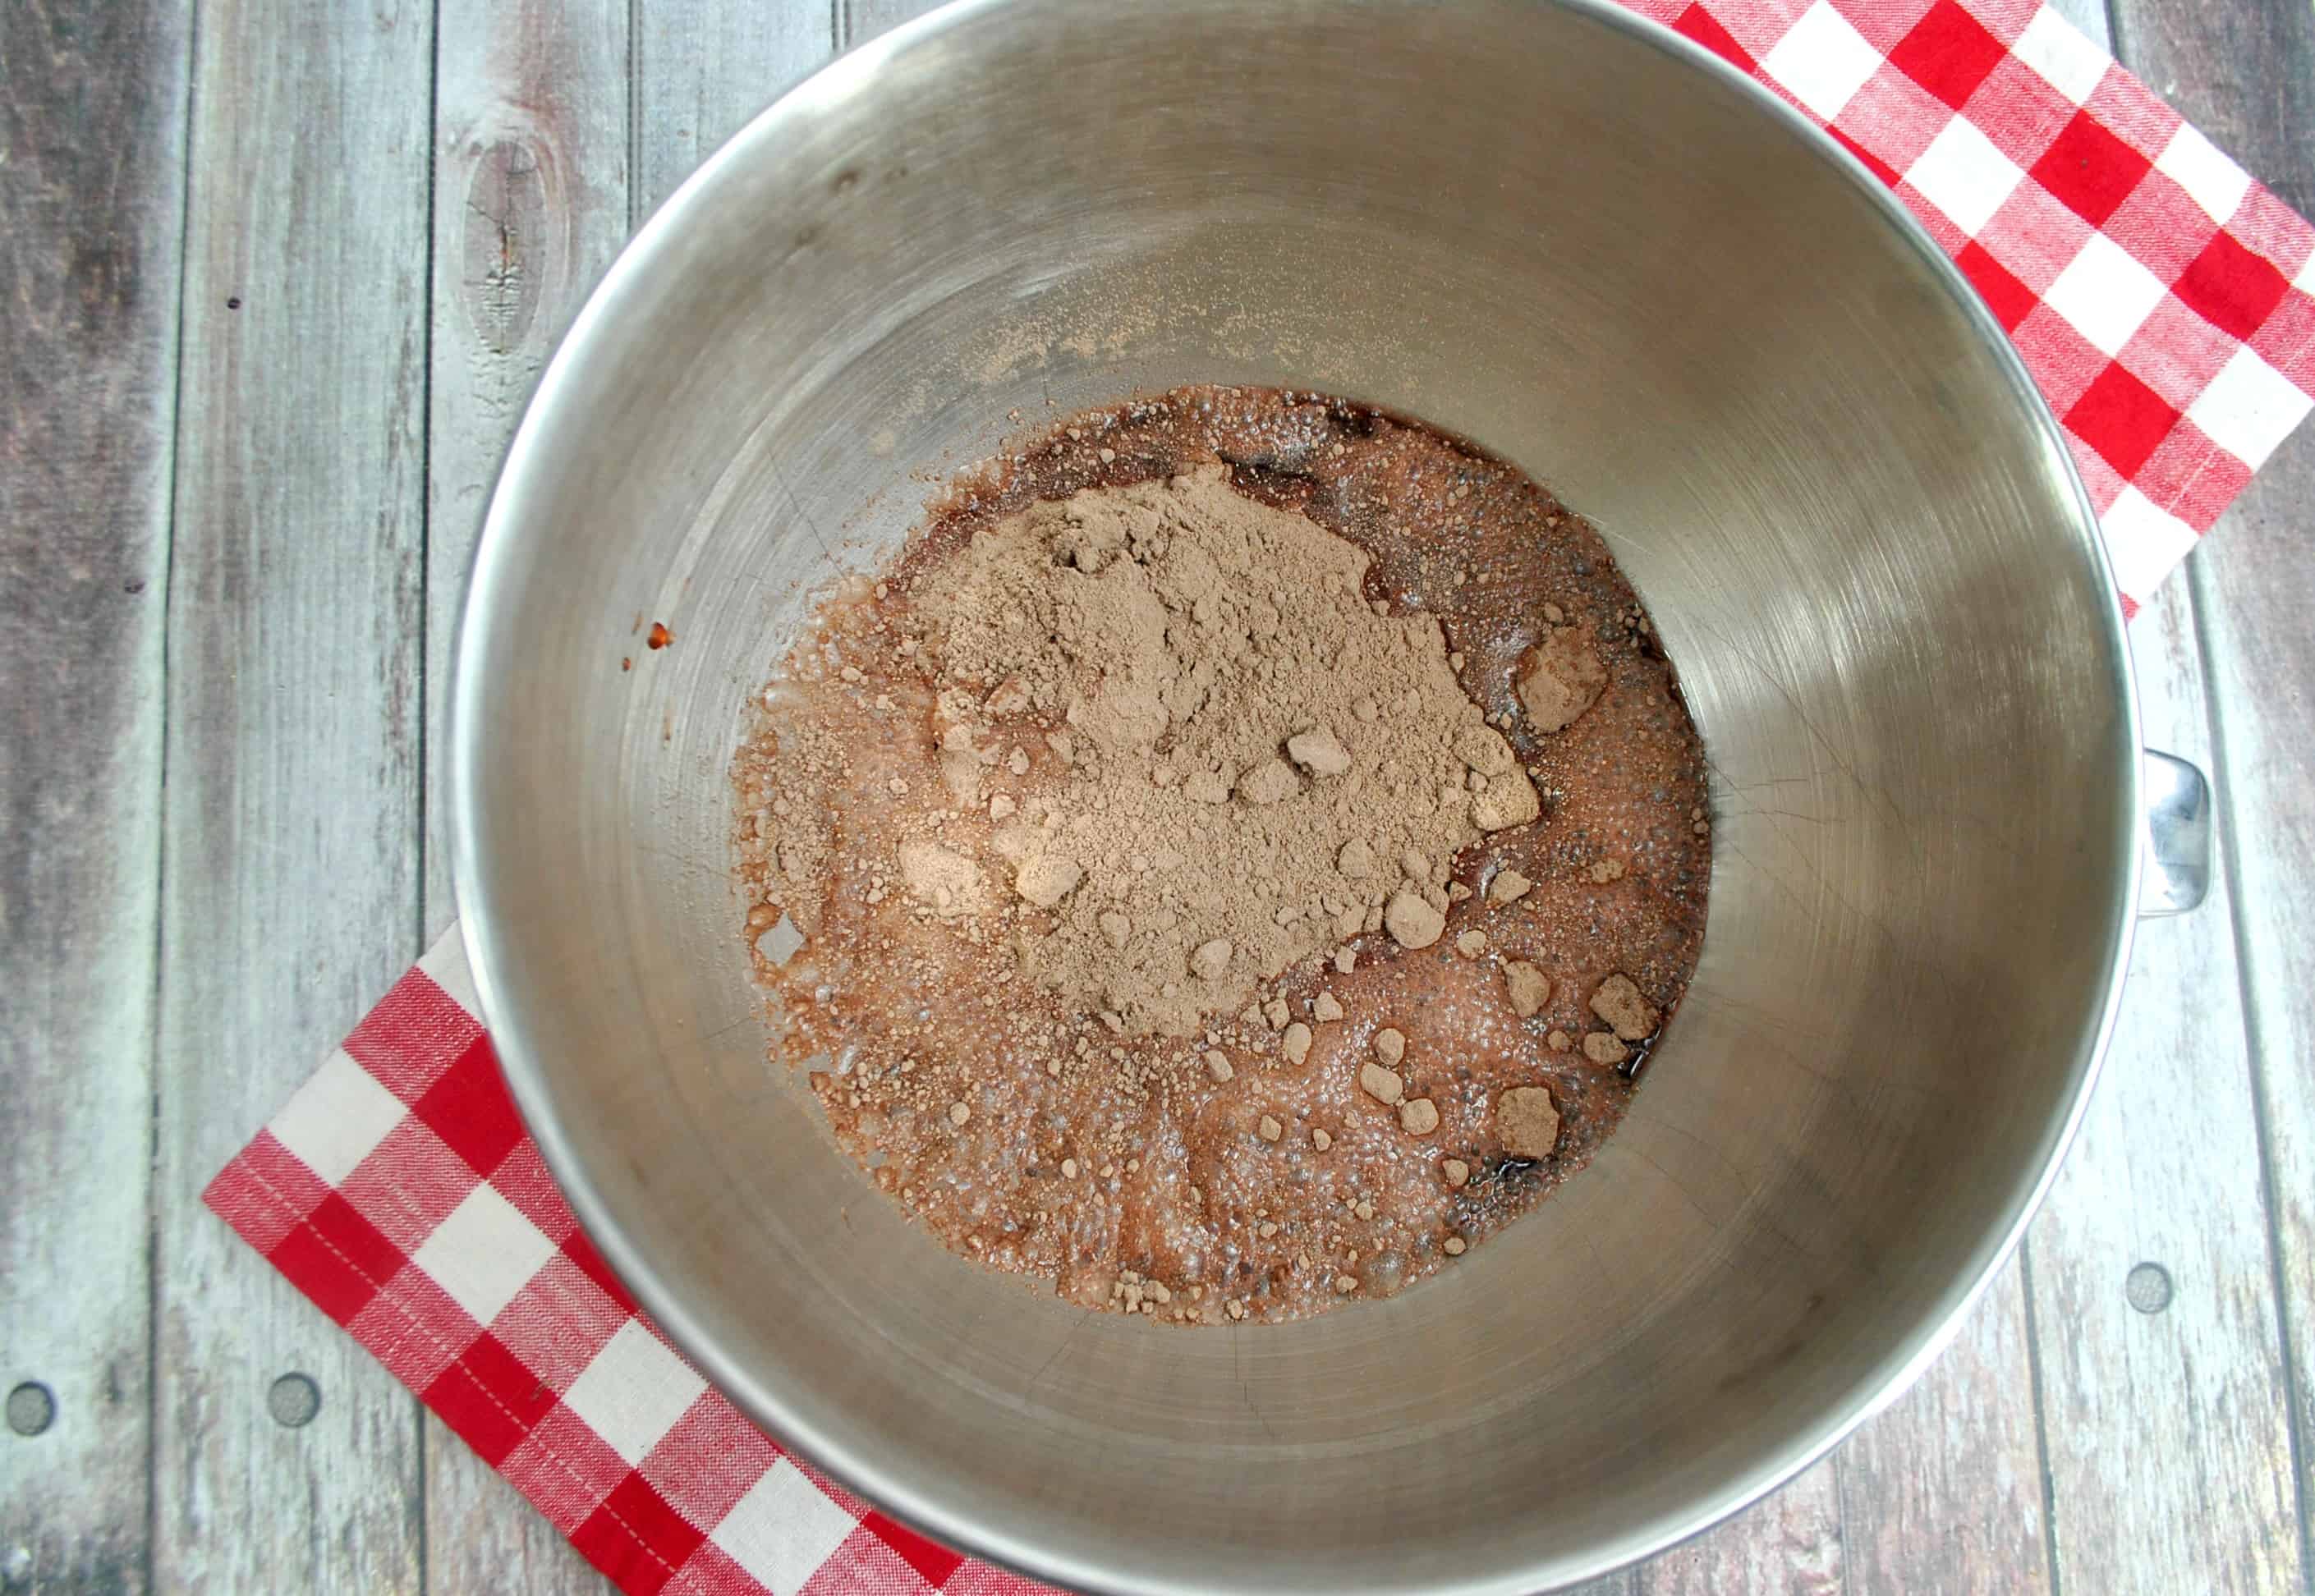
1251	740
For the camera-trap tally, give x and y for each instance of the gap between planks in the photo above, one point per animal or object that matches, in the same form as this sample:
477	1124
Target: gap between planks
91	184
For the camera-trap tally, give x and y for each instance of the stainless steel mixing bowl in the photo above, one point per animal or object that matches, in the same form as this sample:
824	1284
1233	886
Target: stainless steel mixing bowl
1601	255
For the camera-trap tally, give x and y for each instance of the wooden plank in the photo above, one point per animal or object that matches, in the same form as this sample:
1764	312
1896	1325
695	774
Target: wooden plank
859	20
2151	1287
1790	1542
1622	1582
290	888
1943	1492
2244	71
702	69
92	182
2254	590
531	205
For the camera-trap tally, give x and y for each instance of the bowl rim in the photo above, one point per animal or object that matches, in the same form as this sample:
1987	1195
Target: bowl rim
483	934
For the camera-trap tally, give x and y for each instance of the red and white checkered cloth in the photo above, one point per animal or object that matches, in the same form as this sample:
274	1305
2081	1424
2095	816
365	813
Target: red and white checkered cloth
400	1192
2161	299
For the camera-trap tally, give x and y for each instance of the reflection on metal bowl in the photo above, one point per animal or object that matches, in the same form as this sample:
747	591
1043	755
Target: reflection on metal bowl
1594	252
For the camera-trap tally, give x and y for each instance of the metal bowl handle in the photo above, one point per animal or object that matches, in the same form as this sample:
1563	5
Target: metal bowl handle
2176	799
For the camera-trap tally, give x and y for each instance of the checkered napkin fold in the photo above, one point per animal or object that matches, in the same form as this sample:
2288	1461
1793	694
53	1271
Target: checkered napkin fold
2161	300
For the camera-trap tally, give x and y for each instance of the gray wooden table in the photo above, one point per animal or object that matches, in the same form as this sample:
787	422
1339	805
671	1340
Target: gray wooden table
277	279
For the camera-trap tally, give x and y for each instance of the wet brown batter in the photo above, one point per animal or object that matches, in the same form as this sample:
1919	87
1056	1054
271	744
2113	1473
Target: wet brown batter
1375	1111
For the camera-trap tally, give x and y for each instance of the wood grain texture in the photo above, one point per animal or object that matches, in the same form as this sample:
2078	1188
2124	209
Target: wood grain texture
290	871
91	184
1623	1583
1944	1491
530	206
2254	592
1789	1542
2244	71
860	21
2167	1432
701	68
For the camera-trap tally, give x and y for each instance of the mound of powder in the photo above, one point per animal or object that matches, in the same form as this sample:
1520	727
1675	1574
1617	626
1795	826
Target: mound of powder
1253	761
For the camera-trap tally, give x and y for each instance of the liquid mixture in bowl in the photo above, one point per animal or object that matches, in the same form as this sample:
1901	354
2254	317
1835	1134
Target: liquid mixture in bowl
1235	860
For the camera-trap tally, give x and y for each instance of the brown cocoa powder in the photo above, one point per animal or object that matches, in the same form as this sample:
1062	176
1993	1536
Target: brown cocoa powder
1248	737
961	802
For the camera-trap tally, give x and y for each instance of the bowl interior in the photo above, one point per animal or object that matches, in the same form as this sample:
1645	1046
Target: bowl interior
1548	228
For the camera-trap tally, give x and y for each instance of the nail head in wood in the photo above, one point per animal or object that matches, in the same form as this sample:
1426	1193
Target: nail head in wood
32	1408
2148	1288
293	1401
